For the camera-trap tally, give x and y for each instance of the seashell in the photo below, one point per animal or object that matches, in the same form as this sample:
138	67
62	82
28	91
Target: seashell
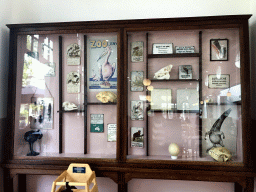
163	73
69	106
107	97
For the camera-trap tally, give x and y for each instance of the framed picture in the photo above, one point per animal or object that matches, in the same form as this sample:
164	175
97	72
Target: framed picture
137	137
187	99
137	51
97	123
219	81
161	99
73	54
223	133
41	113
219	49
137	112
185	72
137	81
73	82
112	132
102	63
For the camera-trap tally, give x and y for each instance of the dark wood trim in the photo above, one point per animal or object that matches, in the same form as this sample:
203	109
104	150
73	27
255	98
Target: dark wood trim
147	94
247	136
238	187
85	95
121	97
120	169
200	94
60	95
210	20
11	100
174	55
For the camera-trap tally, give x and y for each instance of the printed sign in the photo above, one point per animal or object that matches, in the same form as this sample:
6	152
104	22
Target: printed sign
218	81
97	123
163	48
79	169
112	132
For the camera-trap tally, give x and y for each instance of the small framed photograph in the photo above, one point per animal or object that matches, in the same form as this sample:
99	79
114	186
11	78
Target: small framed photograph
137	51
73	54
219	50
219	81
185	72
137	112
73	82
137	137
97	123
137	81
111	132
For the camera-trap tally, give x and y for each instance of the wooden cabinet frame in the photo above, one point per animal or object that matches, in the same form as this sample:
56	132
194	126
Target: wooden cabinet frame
121	169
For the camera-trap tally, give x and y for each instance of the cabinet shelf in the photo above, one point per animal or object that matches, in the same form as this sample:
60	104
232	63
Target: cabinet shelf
73	111
94	103
166	80
174	55
174	111
230	103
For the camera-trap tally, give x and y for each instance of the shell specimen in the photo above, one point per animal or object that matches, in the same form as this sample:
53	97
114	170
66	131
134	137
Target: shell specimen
107	97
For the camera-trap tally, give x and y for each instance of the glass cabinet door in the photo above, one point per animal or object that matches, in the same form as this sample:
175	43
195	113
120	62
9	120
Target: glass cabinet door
66	96
184	95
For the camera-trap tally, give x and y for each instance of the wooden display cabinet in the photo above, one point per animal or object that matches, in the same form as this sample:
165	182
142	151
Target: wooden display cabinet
51	63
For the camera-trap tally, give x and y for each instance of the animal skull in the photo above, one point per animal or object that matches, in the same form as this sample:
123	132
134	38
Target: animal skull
220	154
69	106
163	73
107	97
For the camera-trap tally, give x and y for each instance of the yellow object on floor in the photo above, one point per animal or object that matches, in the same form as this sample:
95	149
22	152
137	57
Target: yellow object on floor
77	175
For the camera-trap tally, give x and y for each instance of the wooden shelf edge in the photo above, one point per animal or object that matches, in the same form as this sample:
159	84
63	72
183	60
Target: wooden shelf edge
174	55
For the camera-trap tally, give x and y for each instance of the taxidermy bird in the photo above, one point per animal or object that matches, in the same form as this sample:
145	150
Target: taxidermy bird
215	135
106	70
31	137
68	188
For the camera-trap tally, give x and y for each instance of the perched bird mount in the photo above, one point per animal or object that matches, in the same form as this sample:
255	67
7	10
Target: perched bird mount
31	137
215	135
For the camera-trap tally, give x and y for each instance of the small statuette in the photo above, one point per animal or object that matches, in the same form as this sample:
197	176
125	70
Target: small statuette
107	97
174	150
163	73
69	106
221	154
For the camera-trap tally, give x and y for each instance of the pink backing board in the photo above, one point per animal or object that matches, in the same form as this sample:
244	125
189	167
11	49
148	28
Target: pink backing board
73	123
163	128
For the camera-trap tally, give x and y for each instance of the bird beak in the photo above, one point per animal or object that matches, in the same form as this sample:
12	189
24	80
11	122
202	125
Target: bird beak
102	55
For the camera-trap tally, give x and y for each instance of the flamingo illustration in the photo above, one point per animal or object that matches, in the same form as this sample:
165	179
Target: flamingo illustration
106	70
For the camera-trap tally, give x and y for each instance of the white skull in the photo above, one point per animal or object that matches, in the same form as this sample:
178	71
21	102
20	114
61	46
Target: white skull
69	106
163	73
